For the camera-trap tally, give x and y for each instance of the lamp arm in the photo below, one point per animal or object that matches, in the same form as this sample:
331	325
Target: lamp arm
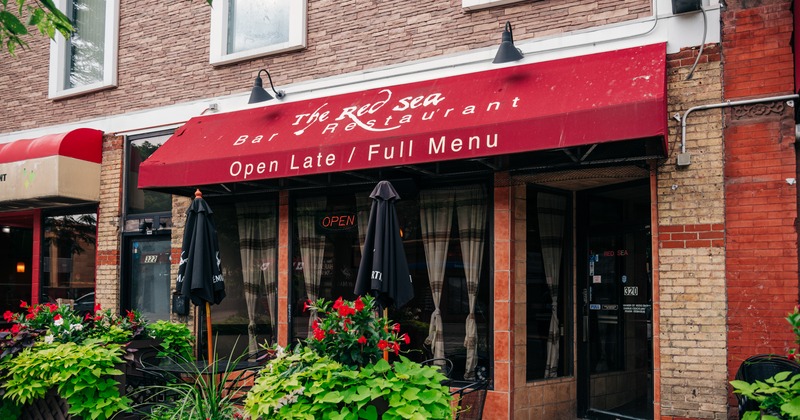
278	93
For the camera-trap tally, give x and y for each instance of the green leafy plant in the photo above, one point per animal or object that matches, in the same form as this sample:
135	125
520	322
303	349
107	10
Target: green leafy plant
176	339
199	393
304	385
351	333
81	374
777	396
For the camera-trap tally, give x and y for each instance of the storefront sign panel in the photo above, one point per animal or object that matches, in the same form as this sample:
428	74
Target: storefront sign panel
589	99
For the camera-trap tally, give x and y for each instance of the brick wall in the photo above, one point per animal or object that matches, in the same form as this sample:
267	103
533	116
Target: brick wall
164	50
691	256
108	220
761	207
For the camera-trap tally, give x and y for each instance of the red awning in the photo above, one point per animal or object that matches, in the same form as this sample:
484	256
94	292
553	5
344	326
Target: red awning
51	170
597	98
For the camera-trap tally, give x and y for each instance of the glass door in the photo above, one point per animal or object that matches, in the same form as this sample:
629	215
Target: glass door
147	264
615	350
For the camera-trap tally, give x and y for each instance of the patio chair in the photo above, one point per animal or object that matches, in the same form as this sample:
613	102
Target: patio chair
761	367
469	399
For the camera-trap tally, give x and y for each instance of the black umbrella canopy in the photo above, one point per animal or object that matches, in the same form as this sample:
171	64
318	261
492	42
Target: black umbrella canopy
200	270
383	271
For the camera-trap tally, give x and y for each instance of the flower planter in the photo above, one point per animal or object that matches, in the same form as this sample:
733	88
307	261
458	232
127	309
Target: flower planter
51	407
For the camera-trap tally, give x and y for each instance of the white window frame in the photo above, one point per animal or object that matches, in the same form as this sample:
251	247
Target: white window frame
58	56
219	34
483	4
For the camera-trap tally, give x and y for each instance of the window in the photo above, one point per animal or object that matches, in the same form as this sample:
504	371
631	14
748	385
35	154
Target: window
448	258
87	61
142	201
242	29
548	287
68	255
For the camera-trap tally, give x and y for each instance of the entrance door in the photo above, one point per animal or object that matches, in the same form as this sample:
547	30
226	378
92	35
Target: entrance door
615	341
146	270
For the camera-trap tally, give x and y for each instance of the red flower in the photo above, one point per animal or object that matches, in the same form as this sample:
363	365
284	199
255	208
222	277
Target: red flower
396	328
406	339
396	347
306	305
362	340
315	325
345	310
87	317
791	356
383	344
52	307
331	332
57	317
338	303
8	316
30	316
358	304
97	308
15	328
131	316
23	304
319	334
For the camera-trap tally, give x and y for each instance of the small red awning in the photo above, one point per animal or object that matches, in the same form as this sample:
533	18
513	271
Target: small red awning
55	169
597	98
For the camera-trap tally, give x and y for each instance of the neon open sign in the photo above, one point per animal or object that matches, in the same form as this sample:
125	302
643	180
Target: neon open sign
337	222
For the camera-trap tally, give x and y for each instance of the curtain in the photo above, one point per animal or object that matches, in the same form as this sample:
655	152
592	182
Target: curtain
551	209
312	247
258	242
471	216
363	206
436	215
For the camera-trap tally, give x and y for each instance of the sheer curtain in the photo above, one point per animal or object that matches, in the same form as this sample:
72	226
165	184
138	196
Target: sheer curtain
312	246
436	215
471	215
258	243
551	210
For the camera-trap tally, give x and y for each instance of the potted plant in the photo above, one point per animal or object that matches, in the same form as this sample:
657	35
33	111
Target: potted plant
339	372
52	352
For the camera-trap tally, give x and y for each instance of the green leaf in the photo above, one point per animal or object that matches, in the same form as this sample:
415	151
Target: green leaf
12	23
36	17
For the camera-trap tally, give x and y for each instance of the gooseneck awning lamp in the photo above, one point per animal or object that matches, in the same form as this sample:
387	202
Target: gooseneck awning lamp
507	51
259	94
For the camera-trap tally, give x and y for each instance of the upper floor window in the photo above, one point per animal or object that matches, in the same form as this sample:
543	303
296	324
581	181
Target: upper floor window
242	29
87	60
483	4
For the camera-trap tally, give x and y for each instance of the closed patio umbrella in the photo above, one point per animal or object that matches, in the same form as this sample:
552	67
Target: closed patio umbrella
200	270
383	271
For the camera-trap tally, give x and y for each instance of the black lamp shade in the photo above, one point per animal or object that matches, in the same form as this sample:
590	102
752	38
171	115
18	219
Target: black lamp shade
507	51
258	94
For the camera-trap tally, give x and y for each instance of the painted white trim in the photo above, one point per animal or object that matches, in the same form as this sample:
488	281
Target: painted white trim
678	31
58	57
298	16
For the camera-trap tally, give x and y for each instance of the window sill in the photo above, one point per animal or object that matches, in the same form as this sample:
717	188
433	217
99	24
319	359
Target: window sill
484	4
78	91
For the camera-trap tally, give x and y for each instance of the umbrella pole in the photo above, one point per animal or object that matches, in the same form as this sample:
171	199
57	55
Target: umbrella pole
386	328
208	334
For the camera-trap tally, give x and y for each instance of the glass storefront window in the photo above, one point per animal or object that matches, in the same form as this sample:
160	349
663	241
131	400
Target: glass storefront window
326	256
15	267
248	241
143	201
548	306
68	251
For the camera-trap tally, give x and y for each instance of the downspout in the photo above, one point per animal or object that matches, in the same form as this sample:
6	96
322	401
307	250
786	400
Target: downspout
684	159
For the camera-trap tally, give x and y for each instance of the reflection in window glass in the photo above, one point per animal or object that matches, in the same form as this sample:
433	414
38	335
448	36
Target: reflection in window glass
143	201
248	241
86	47
257	23
325	263
16	245
68	250
150	281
